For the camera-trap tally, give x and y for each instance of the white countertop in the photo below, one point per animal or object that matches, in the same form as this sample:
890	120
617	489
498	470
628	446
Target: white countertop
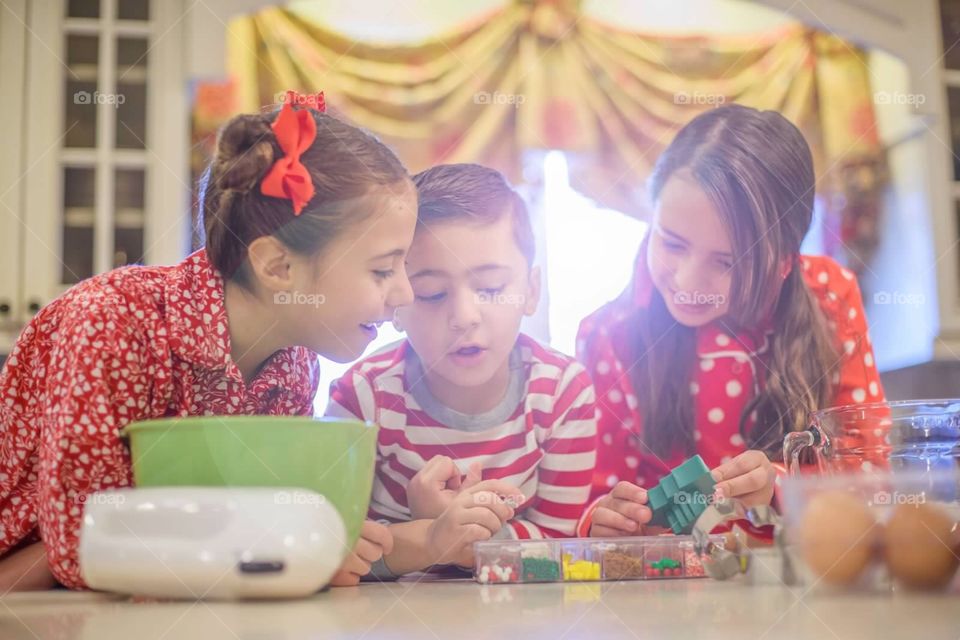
453	609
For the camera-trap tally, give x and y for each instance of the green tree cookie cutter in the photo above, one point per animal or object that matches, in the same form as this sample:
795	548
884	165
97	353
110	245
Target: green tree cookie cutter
681	496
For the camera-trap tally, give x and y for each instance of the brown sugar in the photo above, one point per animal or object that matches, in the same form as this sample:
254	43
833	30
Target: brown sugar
621	566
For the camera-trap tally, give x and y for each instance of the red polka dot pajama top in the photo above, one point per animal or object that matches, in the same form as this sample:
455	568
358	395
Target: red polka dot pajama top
728	375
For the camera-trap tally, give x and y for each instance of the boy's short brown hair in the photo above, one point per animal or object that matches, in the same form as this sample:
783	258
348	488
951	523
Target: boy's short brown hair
475	193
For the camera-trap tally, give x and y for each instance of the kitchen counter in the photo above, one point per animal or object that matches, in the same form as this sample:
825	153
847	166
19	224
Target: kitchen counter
426	607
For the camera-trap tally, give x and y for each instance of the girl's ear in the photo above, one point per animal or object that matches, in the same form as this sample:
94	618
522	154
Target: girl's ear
271	264
533	292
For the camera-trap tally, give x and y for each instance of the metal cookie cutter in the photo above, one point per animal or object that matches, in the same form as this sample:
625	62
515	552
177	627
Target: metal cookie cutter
721	563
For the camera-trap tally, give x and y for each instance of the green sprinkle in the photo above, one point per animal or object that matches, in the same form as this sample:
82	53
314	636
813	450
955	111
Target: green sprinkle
540	570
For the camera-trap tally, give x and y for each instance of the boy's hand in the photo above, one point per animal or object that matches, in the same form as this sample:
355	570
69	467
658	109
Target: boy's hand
476	513
434	487
375	541
748	477
622	512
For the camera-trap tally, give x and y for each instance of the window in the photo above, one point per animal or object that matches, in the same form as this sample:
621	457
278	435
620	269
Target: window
590	253
103	162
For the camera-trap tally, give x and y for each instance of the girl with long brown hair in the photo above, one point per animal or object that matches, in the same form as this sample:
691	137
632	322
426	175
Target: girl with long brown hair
727	337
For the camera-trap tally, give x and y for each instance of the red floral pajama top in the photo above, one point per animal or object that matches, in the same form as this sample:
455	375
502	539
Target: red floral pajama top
132	344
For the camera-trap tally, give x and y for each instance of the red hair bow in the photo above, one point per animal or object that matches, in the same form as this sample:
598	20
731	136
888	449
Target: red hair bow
295	132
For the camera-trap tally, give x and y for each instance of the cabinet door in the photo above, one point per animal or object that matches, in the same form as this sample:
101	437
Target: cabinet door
13	42
49	77
107	138
168	190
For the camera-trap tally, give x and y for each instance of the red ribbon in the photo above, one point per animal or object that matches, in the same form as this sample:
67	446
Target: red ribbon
295	132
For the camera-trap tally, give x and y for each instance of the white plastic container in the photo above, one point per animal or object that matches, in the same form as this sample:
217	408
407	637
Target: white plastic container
210	543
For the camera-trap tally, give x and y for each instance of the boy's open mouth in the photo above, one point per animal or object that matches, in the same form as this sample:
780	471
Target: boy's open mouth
468	351
468	355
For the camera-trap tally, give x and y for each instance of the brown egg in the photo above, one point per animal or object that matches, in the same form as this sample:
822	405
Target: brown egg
837	536
919	545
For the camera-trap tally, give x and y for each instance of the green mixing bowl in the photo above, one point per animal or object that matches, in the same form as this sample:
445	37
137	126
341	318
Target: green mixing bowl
331	456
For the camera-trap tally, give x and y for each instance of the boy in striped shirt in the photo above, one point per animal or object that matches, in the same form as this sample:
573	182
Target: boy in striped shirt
484	433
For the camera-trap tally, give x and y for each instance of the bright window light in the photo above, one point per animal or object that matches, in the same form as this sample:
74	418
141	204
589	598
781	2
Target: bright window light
590	253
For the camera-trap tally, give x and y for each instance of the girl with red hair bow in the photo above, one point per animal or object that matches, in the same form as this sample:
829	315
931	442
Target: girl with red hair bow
307	222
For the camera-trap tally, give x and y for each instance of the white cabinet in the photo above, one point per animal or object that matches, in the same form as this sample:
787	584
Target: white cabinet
98	173
12	47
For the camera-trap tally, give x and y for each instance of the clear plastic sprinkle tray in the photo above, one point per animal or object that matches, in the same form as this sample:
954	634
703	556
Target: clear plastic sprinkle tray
587	559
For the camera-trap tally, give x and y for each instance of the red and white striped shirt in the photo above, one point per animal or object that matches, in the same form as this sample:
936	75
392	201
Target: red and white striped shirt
545	445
